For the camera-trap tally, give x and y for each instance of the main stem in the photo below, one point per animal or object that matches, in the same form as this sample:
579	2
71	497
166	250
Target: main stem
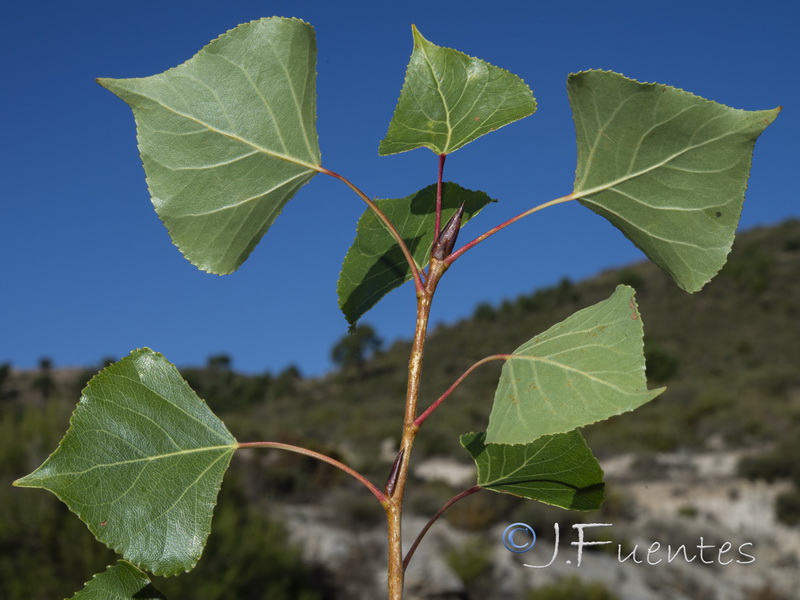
394	503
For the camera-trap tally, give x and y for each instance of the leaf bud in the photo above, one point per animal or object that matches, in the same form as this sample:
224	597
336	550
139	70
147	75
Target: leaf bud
391	482
447	238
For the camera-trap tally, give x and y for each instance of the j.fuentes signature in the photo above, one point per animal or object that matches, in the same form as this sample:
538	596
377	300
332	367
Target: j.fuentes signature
521	537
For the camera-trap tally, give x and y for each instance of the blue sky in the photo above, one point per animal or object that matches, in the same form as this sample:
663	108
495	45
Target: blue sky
90	271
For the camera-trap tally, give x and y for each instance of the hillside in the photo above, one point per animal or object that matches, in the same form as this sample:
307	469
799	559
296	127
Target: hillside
728	354
730	358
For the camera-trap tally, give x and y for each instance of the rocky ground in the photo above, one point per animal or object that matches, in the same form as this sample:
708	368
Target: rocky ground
694	532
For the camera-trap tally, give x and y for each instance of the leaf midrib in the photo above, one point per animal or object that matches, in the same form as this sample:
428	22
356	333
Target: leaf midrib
235	137
604	187
556	364
60	474
441	96
506	479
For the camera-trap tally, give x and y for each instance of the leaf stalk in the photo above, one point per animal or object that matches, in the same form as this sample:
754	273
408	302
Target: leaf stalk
433	519
415	272
421	419
438	225
450	259
319	456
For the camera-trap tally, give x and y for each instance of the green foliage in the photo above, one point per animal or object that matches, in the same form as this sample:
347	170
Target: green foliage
228	137
666	167
5	392
555	469
353	349
374	264
479	512
472	563
573	588
662	365
779	463
44	382
711	394
632	279
286	381
141	464
48	553
548	298
249	556
122	581
585	369
787	507
449	99
754	272
485	312
225	390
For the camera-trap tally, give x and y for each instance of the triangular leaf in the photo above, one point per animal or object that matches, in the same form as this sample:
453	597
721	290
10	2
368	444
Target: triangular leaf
122	581
666	167
555	469
587	368
449	99
374	264
228	137
141	463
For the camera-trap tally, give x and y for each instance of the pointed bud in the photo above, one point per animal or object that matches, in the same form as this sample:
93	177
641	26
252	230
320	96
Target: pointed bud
447	238
391	483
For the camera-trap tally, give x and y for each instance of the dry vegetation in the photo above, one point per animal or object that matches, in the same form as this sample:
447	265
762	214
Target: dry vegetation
729	356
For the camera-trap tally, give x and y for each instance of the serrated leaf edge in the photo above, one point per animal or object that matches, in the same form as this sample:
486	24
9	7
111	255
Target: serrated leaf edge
496	489
664	85
655	391
121	562
583	195
417	34
21	483
310	167
419	266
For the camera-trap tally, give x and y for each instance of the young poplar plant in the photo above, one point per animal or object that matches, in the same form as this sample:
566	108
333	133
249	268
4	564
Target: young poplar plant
229	137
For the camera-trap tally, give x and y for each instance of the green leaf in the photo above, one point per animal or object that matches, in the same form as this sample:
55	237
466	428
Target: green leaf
666	167
555	469
449	99
228	137
122	581
141	463
587	368
374	264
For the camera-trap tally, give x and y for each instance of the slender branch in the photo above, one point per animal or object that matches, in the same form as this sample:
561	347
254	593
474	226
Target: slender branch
433	519
502	226
418	282
394	504
438	225
324	458
421	419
